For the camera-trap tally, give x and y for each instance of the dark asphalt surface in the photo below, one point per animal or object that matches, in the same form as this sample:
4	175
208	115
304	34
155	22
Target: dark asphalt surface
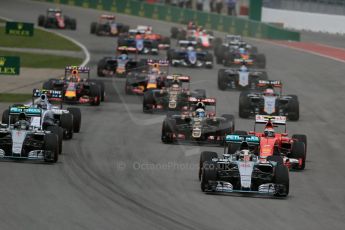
116	174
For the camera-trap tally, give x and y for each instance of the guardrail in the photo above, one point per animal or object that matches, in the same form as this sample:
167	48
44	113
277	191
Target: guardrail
212	21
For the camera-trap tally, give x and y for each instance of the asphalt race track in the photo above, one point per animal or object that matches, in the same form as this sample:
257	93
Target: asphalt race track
116	174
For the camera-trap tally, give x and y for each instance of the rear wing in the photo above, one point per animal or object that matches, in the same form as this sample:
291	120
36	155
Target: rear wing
152	62
270	83
263	119
250	139
182	78
206	101
54	94
75	70
186	43
28	111
107	16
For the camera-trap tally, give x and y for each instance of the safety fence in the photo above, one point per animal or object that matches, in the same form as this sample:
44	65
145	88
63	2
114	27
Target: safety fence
228	24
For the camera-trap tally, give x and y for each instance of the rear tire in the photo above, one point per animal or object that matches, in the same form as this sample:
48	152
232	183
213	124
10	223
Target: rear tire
66	122
281	176
293	110
41	20
95	93
205	156
58	131
76	113
244	106
148	102
51	147
222	80
298	152
209	173
93	27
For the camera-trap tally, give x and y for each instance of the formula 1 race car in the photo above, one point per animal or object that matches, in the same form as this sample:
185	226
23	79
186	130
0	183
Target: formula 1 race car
119	66
22	141
240	78
198	127
243	171
107	26
293	149
50	101
188	56
231	43
138	44
268	101
146	33
55	19
77	89
153	76
234	56
173	97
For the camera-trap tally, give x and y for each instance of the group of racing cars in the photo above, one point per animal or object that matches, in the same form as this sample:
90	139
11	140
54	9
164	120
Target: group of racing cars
256	161
36	131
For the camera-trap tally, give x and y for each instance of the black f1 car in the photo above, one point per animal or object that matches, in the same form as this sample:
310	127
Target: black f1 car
173	97
55	19
107	26
198	126
243	171
119	66
188	56
137	45
268	101
240	78
77	89
152	76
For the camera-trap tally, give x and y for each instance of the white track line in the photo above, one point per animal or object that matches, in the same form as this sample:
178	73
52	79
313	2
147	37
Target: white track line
85	50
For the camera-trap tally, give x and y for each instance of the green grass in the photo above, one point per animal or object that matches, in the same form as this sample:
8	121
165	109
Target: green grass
43	60
14	97
40	40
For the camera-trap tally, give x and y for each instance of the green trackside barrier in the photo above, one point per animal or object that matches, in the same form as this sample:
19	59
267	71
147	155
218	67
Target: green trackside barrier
223	23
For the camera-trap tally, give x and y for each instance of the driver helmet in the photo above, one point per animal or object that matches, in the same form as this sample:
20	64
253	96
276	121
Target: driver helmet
190	48
241	50
43	102
175	84
243	68
269	132
123	57
22	123
200	112
269	92
155	70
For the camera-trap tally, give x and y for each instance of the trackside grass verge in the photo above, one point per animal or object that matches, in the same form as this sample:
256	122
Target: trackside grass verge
14	97
40	40
33	60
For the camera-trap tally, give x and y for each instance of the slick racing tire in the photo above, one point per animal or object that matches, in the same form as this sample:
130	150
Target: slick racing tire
244	105
168	130
293	110
51	148
222	79
281	177
102	87
298	152
148	102
208	173
76	113
58	131
95	93
301	138
48	84
41	20
205	156
6	117
174	32
66	122
93	27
